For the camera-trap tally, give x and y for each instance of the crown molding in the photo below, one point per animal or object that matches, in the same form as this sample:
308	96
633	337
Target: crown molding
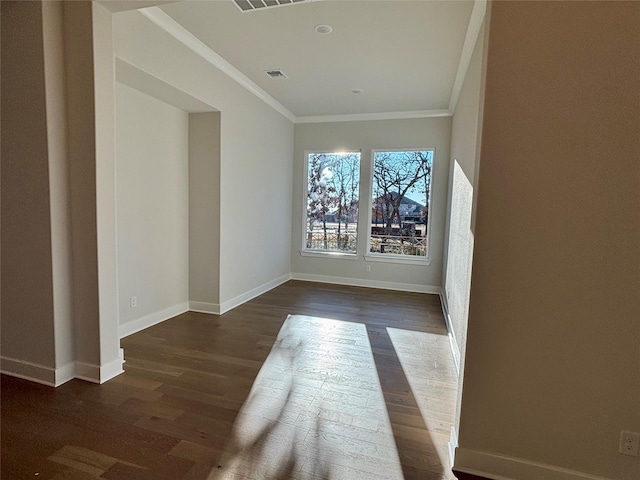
181	34
375	116
177	31
470	39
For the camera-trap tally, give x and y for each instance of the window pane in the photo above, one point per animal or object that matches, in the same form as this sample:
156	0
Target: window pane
332	202
400	202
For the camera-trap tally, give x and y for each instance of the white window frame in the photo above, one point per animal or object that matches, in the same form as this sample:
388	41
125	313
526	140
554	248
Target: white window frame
395	258
307	252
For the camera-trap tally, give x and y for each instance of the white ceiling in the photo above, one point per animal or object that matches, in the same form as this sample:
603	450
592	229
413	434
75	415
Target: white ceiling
404	55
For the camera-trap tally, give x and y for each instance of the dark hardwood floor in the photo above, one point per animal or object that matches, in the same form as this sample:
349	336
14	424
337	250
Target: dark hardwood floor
171	414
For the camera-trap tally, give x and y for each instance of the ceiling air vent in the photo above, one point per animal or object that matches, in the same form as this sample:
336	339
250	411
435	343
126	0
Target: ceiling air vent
251	5
275	73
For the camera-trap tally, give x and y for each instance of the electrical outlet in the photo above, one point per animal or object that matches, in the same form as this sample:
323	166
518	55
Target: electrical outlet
368	268
133	302
629	443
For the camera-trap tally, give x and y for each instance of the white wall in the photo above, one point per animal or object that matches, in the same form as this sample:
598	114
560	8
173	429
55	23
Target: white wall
367	136
552	372
256	154
152	206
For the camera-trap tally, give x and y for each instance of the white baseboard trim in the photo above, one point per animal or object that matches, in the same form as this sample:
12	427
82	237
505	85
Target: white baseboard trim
245	297
453	342
452	445
56	377
28	371
100	373
65	373
500	467
113	368
147	321
358	282
88	372
204	307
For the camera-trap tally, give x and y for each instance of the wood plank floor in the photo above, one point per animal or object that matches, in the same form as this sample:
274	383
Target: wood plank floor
171	414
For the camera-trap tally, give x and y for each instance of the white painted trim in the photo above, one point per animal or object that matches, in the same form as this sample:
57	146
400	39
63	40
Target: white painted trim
184	36
65	373
359	282
100	373
501	467
329	254
113	368
470	39
133	326
453	342
452	444
390	258
204	307
56	377
245	297
360	117
87	372
28	371
305	196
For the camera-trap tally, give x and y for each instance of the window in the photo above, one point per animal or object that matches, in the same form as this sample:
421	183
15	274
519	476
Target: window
333	181
401	191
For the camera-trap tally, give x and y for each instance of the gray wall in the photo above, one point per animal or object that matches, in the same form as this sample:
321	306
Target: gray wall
27	282
465	152
152	181
204	208
367	136
552	373
60	295
58	193
256	152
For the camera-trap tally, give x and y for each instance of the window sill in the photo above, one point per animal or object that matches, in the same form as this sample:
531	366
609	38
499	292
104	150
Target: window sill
402	259
334	255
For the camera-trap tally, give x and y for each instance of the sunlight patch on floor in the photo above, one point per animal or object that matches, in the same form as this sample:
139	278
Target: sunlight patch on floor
428	365
315	411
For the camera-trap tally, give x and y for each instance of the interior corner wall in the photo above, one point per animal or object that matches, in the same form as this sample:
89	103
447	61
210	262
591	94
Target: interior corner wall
56	132
105	105
459	236
62	266
90	92
27	278
78	39
204	210
552	373
256	157
152	182
368	136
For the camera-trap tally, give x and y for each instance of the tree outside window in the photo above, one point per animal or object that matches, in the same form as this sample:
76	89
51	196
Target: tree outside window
401	190
332	202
